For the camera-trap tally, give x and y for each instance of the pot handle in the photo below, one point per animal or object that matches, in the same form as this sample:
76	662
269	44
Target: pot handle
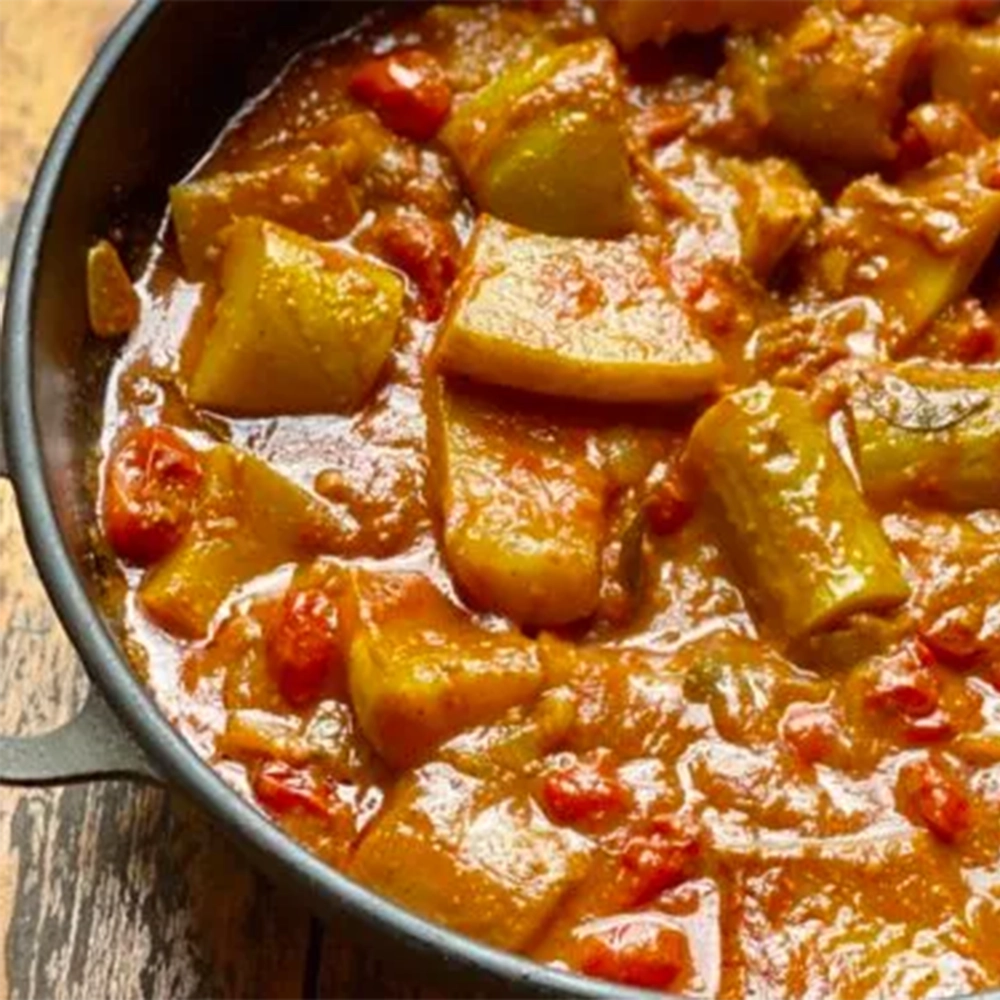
91	746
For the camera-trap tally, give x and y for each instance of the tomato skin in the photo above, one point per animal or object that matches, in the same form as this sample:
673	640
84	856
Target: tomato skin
407	89
810	730
663	857
281	788
934	796
638	950
904	683
426	249
151	485
305	644
582	792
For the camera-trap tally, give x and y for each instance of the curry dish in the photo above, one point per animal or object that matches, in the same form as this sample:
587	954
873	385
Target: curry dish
553	471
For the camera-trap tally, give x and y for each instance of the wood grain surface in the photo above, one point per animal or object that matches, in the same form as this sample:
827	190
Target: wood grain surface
113	890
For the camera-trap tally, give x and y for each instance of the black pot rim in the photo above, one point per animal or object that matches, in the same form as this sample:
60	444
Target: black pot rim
105	664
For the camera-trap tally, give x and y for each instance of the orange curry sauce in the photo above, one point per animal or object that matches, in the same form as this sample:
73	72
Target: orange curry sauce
718	713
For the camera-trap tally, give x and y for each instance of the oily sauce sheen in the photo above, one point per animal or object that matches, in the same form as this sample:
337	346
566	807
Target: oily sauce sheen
554	472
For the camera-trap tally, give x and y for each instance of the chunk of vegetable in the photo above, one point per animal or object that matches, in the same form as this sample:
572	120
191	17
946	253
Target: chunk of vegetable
965	67
789	513
300	327
579	318
450	847
542	145
308	192
112	304
827	86
632	22
915	247
747	212
250	521
929	434
419	671
644	950
523	511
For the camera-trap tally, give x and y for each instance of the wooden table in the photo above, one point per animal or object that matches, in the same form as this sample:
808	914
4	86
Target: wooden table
113	890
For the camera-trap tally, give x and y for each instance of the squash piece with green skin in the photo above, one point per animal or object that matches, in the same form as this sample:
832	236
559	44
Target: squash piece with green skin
965	67
827	86
587	319
420	671
789	514
928	434
632	22
522	509
914	247
249	521
299	328
543	145
309	192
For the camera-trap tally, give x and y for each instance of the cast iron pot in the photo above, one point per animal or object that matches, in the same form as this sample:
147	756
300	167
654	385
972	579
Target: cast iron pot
155	97
157	93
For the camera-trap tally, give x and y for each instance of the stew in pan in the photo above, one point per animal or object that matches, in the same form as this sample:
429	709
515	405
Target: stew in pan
554	471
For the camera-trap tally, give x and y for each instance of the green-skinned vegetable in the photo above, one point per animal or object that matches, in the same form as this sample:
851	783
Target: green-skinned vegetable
300	327
632	22
827	86
543	145
913	247
789	514
928	434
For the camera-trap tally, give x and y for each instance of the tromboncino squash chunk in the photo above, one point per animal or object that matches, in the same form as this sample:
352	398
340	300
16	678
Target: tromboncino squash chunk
464	853
913	247
965	67
587	319
632	22
789	513
420	671
309	192
299	328
522	509
250	520
827	86
542	145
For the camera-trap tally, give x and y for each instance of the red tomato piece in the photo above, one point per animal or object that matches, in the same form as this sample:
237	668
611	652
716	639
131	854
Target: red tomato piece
931	728
667	508
426	249
282	788
408	90
953	640
933	795
642	950
305	645
583	791
810	730
151	485
905	684
663	857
